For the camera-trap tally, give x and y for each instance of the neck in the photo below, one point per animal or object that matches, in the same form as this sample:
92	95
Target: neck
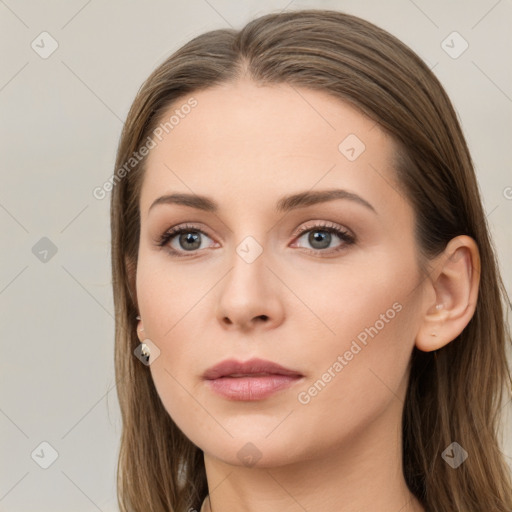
364	474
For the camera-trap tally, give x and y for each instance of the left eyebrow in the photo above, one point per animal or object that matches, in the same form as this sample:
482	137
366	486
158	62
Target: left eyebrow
309	198
284	204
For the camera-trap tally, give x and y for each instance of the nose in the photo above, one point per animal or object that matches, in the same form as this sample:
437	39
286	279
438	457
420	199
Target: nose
250	296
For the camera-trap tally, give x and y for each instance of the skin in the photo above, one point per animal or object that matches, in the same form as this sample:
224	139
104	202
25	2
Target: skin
246	146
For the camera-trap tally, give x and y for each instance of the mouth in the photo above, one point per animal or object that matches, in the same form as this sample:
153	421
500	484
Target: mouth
251	380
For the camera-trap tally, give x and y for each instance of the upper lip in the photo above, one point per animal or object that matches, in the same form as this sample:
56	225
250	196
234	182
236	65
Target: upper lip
252	367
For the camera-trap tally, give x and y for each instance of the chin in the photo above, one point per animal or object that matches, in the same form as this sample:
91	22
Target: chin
255	452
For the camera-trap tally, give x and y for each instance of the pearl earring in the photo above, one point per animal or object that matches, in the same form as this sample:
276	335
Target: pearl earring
145	352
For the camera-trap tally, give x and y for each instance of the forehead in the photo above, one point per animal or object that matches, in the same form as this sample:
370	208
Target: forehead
244	138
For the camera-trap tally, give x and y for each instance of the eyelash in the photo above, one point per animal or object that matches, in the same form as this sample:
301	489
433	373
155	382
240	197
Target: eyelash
344	235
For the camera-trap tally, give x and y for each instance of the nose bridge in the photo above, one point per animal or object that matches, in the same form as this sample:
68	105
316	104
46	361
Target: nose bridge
250	240
247	292
248	266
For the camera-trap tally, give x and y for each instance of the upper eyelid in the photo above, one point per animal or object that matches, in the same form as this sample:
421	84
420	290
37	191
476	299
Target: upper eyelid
305	226
320	225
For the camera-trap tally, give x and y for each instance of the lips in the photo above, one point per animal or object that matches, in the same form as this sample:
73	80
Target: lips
252	368
251	380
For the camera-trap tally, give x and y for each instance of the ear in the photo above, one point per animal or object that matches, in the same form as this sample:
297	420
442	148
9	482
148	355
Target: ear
140	330
453	288
131	274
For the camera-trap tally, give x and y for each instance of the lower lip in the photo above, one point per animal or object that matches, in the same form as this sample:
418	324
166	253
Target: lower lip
251	388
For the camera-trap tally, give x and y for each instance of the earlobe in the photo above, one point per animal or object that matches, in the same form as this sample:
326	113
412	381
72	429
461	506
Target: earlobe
140	329
432	335
455	283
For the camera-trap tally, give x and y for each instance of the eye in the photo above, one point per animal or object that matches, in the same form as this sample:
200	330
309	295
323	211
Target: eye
320	237
182	239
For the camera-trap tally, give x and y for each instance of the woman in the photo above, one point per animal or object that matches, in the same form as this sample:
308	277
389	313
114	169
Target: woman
309	312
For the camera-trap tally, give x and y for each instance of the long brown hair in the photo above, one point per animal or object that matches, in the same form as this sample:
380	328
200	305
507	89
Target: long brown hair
455	394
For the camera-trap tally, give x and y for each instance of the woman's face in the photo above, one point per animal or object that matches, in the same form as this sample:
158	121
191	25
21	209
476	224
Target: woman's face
329	289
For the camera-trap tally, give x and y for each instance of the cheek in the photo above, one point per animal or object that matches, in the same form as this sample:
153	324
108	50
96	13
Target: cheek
361	301
170	303
356	375
166	303
367	357
361	359
168	295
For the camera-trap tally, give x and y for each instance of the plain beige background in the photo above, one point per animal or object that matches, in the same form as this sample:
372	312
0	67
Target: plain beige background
62	115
